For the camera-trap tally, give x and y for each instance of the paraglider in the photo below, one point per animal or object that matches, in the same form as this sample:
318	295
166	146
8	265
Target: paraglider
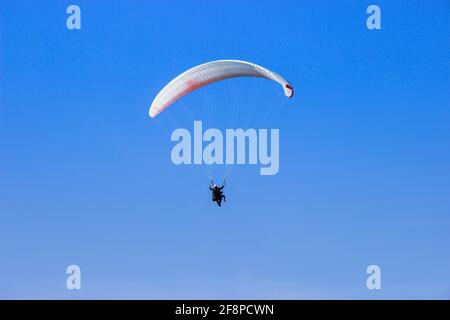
205	74
217	193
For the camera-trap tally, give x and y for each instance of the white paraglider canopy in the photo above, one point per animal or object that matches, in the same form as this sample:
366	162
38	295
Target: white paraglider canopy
210	72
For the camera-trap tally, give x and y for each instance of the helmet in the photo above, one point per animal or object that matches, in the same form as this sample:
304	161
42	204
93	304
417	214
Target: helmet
215	186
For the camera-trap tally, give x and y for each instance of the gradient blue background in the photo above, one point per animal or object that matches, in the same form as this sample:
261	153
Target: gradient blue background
86	176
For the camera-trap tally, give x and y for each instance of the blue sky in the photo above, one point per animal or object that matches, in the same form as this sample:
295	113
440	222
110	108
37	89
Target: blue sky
86	176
